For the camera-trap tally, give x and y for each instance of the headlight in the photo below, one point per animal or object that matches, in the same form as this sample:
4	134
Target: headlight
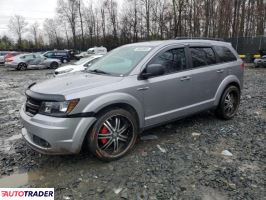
58	108
65	71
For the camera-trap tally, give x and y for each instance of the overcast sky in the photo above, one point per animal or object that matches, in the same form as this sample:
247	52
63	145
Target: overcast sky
32	10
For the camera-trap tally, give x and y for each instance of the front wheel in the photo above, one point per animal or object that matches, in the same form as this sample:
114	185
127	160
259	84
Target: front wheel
113	135
229	103
54	65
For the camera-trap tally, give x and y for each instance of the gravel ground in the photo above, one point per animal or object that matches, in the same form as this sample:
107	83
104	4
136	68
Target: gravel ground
181	160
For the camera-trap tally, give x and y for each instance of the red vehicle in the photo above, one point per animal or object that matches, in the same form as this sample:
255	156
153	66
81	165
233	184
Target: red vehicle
10	55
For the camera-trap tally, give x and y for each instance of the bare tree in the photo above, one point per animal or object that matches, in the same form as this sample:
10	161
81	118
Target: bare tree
34	30
80	4
68	10
17	25
51	28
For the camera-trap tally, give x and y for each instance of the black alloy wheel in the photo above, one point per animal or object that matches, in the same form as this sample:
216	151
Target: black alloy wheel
229	103
113	135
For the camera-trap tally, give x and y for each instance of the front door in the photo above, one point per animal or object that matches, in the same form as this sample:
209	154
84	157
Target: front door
166	94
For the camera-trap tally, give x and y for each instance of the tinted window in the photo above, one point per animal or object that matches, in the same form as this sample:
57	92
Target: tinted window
29	56
224	54
202	56
60	53
49	54
172	60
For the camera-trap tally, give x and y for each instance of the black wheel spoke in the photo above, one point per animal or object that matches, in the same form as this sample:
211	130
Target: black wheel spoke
104	136
122	139
109	126
117	123
108	144
115	134
116	145
123	129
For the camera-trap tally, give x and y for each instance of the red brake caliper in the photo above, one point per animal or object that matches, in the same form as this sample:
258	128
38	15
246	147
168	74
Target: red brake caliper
104	130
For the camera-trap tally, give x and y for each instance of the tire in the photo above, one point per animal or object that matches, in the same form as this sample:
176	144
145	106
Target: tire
53	65
22	66
104	139
229	103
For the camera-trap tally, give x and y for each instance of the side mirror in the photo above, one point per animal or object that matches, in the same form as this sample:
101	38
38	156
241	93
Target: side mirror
152	70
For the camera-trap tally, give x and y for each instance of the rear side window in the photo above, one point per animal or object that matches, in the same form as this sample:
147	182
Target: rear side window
60	53
202	56
224	54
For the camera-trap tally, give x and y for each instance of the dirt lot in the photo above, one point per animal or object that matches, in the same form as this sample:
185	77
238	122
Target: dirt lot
181	160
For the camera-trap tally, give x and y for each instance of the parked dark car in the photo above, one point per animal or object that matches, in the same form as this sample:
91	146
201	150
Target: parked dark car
62	55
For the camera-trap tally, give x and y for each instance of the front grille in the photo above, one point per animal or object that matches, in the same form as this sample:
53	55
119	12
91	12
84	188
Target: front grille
32	106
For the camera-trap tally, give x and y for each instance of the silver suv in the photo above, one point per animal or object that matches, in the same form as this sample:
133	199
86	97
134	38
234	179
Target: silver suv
133	88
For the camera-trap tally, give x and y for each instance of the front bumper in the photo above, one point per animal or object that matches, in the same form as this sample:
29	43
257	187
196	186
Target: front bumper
64	135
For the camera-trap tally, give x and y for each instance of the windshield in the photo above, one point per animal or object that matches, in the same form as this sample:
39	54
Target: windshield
83	61
120	61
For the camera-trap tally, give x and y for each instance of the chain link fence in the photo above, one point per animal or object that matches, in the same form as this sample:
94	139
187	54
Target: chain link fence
249	47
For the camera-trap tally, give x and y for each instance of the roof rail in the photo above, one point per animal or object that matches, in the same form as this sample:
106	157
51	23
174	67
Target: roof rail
198	38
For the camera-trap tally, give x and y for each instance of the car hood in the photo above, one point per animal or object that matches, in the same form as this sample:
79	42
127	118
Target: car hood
68	67
73	83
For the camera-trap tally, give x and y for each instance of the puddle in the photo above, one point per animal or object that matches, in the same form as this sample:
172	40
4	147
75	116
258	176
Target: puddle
15	180
19	180
45	177
6	144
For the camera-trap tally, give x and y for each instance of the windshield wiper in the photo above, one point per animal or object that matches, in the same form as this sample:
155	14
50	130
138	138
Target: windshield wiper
98	71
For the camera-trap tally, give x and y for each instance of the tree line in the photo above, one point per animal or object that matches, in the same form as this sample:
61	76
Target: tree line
80	24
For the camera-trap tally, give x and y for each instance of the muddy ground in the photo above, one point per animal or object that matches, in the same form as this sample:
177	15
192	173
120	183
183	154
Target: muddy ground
181	160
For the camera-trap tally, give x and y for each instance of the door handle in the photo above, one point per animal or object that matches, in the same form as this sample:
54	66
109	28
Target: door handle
144	88
220	71
185	78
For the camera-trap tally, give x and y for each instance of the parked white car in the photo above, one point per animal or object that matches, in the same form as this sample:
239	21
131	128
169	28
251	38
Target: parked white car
82	55
97	50
260	62
77	66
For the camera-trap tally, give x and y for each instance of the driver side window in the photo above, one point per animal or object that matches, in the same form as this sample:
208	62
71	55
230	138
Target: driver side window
172	60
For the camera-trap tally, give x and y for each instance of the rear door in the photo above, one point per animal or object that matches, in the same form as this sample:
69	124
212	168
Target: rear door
29	58
206	74
36	60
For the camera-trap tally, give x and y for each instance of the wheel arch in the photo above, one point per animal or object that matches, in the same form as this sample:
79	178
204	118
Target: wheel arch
229	80
22	63
117	100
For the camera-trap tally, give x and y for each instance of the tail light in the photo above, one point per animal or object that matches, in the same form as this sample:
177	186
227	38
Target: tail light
9	59
242	66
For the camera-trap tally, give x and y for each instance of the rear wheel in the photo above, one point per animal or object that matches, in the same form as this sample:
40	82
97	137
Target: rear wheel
113	135
229	103
22	66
